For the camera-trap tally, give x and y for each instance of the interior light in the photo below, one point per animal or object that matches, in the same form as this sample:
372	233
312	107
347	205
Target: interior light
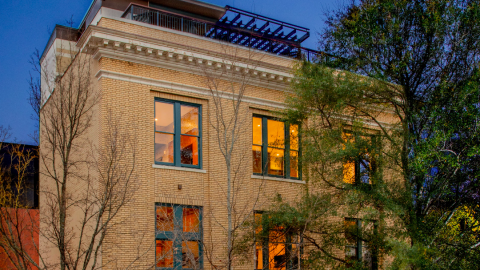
278	154
155	119
258	125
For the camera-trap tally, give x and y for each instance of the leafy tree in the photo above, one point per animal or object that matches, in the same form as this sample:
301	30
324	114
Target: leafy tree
404	111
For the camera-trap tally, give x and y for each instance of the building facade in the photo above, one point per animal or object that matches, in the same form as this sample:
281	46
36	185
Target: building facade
173	75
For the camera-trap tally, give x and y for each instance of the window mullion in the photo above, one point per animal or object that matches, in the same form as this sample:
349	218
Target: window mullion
359	239
287	150
177	130
178	235
265	146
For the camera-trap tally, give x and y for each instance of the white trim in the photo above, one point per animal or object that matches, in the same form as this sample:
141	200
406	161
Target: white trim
277	179
181	87
183	66
155	166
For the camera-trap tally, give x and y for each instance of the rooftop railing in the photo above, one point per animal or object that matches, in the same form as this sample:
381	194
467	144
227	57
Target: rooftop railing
252	38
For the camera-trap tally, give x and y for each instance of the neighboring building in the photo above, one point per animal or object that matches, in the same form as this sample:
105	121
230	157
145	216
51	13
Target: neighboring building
19	161
148	63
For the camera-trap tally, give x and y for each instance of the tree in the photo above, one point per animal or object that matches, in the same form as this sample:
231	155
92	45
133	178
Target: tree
416	94
85	182
228	83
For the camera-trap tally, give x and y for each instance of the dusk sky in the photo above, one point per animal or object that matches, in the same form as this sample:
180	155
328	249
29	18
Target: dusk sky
26	26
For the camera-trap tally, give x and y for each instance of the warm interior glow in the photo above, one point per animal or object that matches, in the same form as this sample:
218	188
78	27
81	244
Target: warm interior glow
164	218
276	134
276	161
191	220
257	131
164	254
294	138
190	254
294	164
189	120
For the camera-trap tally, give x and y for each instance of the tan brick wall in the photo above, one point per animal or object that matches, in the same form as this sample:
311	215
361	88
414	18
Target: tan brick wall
132	104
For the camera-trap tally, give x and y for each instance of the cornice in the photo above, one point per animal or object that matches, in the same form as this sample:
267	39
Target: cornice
105	42
183	88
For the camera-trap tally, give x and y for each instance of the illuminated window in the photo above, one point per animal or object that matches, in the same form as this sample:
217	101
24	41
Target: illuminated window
356	248
359	169
178	233
276	248
275	148
177	134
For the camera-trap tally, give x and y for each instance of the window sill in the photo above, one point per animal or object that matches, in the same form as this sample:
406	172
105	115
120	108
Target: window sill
254	176
178	168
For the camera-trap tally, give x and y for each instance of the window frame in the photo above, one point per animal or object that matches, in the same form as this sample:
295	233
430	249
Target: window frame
373	160
178	230
287	149
359	243
265	246
177	161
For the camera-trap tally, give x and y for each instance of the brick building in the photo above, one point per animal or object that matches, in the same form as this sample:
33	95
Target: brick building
153	63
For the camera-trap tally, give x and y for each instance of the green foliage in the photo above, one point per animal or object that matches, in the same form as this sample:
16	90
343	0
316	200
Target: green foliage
407	74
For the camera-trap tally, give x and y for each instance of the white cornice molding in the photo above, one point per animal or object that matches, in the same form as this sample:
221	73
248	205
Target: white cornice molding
183	88
197	66
98	39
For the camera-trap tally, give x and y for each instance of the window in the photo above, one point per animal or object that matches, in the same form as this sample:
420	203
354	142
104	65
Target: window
356	248
178	134
276	248
275	148
178	232
360	168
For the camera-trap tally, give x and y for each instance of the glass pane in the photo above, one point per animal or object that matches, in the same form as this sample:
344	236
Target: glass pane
351	231
189	150
276	134
275	161
164	253
367	257
165	218
164	117
190	255
294	137
365	169
276	256
294	164
258	256
349	172
257	130
350	253
163	147
189	120
257	159
191	220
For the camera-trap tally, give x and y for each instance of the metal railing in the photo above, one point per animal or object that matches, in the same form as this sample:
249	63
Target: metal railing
215	31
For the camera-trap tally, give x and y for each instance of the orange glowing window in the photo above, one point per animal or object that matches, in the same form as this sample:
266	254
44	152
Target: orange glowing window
275	148
177	133
358	169
178	236
278	250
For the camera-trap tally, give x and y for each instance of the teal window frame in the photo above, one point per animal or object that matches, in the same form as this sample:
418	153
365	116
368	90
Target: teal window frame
359	175
177	133
265	243
359	242
178	231
287	149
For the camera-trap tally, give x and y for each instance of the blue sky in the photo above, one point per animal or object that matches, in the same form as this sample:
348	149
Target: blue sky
26	26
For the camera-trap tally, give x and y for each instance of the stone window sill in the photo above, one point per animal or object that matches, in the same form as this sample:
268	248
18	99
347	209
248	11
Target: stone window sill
261	177
156	166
